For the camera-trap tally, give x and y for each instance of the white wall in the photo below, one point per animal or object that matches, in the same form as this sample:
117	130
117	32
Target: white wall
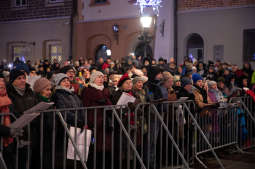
35	31
164	45
117	9
217	27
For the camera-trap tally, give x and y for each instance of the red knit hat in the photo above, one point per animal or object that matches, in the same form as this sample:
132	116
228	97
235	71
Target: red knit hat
123	79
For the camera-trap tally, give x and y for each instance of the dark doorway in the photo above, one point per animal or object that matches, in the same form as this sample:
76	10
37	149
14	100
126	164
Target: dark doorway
248	46
195	47
140	50
101	51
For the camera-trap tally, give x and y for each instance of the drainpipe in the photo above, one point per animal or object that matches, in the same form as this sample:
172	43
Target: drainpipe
175	31
73	14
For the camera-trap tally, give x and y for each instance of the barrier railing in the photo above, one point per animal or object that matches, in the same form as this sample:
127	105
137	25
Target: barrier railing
149	135
246	122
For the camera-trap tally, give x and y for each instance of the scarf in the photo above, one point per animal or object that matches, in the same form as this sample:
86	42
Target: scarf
202	92
4	108
19	90
66	89
96	86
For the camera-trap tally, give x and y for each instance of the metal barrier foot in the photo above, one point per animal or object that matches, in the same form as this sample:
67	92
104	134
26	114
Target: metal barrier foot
201	162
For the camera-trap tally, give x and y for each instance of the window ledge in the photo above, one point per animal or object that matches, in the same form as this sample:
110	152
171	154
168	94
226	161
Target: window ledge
52	4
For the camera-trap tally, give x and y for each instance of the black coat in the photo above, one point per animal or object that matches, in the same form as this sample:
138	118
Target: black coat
21	103
66	99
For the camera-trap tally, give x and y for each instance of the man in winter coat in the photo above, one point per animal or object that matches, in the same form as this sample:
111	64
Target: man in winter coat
22	98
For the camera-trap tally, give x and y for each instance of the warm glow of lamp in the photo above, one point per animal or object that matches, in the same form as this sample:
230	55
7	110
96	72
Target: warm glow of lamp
108	52
146	21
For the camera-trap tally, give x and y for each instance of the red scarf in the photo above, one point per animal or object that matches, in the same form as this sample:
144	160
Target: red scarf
4	108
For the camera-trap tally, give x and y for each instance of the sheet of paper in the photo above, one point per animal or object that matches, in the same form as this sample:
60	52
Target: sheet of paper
39	107
182	99
125	98
24	120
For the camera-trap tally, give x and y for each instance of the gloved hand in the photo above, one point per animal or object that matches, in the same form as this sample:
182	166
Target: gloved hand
16	132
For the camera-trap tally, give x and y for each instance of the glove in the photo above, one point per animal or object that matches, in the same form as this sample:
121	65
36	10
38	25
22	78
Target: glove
16	132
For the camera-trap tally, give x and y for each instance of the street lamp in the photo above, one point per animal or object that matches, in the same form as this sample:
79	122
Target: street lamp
146	22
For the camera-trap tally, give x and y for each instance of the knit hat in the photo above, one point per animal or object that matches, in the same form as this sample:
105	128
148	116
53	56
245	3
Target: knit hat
211	83
66	68
177	78
94	75
185	81
123	79
58	78
139	78
15	73
196	77
41	84
153	72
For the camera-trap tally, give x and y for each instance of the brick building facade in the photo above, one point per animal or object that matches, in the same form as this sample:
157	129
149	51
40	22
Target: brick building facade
35	29
34	9
205	4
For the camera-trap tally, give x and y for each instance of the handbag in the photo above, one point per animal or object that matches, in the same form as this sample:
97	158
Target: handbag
81	143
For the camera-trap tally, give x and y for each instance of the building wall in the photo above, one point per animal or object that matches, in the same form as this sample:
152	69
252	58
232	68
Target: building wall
35	23
89	35
217	27
37	32
33	10
184	5
164	43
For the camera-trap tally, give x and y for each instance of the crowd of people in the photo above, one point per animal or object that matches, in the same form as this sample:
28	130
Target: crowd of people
86	83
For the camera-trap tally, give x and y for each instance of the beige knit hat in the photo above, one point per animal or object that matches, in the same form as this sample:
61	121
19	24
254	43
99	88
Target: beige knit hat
94	75
41	84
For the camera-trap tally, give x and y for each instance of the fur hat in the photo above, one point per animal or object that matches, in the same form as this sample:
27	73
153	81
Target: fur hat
123	79
196	77
58	78
140	78
211	83
15	73
94	75
177	78
41	84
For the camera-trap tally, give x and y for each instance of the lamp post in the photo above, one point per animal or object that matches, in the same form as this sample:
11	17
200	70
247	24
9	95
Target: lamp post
146	22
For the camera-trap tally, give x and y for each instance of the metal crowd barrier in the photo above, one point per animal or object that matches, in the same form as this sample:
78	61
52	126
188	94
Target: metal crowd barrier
150	135
246	123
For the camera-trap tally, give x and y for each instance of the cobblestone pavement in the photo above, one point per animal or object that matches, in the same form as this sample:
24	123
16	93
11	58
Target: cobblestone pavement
232	161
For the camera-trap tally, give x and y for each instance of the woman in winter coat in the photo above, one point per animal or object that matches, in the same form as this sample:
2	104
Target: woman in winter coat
96	95
64	97
42	88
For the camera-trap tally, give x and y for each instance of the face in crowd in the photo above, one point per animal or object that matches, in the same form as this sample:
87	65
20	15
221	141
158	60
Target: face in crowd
20	82
99	81
65	83
127	85
71	74
138	85
46	92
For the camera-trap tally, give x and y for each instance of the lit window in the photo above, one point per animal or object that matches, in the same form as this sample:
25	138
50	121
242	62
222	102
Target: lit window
21	52
55	53
20	3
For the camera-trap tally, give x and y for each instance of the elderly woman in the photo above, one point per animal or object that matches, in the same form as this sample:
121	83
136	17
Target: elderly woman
42	88
64	97
97	95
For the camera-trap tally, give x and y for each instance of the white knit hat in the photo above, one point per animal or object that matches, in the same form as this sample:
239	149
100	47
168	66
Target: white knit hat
58	78
94	75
